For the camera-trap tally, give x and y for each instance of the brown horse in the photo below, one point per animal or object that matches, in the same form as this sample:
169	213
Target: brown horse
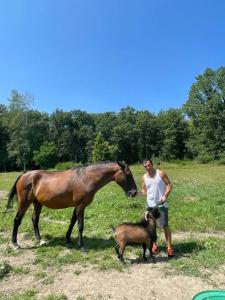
73	188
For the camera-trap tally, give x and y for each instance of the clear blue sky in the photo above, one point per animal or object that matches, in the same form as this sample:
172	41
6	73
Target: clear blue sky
102	55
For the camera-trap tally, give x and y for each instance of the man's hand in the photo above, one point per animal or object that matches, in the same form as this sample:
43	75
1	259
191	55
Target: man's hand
163	199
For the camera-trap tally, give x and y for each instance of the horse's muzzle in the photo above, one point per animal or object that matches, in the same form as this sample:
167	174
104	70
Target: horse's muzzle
132	193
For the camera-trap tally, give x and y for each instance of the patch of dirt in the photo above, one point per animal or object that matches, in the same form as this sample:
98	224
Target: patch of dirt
190	199
197	235
47	219
139	281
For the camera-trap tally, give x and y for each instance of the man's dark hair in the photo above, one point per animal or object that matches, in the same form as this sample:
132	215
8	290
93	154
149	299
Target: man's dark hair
146	159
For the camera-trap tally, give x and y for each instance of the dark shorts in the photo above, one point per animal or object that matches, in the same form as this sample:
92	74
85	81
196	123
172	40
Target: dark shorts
162	221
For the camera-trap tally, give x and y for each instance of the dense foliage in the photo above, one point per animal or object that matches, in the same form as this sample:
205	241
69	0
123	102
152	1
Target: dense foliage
31	139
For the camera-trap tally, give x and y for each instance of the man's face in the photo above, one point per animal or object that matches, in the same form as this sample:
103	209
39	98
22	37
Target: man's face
148	165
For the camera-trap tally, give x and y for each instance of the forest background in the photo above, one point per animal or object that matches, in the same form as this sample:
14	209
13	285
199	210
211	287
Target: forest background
31	139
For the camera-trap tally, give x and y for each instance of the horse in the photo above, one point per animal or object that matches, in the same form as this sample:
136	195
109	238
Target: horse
75	187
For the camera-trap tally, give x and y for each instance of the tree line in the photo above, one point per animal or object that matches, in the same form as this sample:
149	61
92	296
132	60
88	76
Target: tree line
31	139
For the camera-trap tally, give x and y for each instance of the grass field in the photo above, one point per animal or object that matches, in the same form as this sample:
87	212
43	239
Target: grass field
197	205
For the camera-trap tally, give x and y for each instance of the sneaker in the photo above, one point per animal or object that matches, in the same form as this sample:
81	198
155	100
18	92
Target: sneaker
154	249
170	253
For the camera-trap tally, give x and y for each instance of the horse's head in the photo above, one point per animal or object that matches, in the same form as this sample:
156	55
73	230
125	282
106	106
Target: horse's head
125	179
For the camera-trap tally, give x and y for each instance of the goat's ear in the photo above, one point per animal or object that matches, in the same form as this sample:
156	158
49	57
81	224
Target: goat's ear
155	212
146	215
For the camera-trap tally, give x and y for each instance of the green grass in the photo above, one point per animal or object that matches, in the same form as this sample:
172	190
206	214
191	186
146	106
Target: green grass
55	297
29	294
196	204
7	179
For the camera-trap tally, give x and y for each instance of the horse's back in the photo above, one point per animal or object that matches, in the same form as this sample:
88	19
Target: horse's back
51	189
54	189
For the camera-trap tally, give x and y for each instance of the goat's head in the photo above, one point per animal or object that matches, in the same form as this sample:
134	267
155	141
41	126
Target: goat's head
152	215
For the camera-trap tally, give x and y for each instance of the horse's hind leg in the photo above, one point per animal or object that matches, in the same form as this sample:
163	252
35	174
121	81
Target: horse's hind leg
23	206
35	219
72	223
17	222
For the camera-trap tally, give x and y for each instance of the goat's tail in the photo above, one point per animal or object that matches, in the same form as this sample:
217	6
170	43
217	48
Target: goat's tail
12	193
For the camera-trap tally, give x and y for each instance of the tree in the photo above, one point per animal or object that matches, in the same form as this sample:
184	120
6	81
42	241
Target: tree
149	135
124	135
46	157
61	134
73	134
205	108
4	139
102	150
174	134
83	134
19	146
104	123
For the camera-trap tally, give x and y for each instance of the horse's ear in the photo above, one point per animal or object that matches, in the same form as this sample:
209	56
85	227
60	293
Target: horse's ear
122	164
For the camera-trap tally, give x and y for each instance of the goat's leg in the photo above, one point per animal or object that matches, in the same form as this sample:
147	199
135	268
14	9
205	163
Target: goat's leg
121	251
144	251
150	248
117	250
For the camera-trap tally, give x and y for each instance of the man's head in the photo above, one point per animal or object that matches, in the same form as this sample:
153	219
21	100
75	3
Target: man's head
148	164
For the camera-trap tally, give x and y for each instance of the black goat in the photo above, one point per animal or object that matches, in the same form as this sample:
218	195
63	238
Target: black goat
143	232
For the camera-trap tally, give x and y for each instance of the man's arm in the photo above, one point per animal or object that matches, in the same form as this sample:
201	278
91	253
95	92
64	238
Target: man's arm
168	184
143	191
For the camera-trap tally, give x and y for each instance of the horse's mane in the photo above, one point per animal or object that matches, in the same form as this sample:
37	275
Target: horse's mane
97	165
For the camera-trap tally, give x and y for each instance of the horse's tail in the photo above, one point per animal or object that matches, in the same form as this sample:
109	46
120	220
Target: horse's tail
12	193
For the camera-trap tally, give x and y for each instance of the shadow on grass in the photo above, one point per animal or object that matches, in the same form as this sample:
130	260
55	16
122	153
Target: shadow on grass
185	249
90	243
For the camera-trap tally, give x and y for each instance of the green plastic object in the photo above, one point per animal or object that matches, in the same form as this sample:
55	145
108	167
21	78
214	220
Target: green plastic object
210	295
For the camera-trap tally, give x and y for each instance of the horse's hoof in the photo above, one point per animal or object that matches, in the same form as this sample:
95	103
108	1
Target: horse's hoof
42	242
15	246
83	250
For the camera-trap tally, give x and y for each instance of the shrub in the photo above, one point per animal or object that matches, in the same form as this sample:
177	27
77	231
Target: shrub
66	165
221	160
46	157
204	158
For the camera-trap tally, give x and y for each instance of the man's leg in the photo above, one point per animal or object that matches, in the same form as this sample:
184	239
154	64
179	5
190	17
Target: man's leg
167	232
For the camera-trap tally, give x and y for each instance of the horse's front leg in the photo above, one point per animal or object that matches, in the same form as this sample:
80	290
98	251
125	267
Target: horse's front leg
80	218
72	223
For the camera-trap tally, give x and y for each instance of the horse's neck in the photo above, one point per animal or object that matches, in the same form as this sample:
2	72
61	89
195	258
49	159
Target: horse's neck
104	174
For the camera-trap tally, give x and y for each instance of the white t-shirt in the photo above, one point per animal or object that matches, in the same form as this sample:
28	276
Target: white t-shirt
155	189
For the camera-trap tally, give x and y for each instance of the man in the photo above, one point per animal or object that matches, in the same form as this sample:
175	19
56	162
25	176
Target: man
157	186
